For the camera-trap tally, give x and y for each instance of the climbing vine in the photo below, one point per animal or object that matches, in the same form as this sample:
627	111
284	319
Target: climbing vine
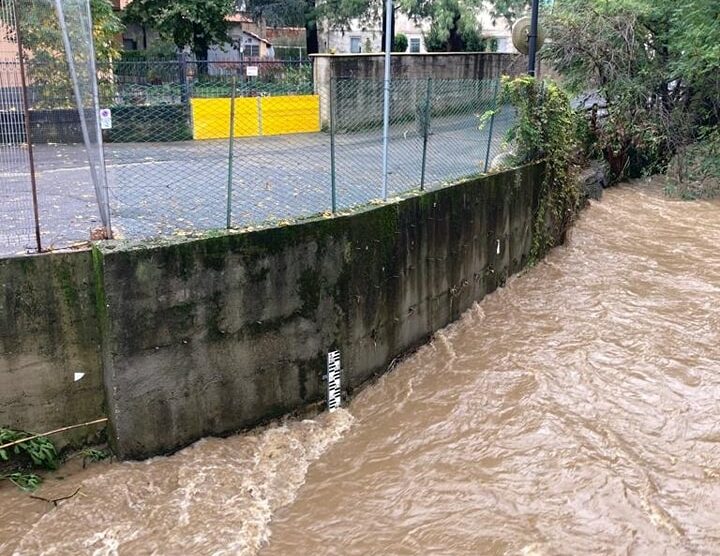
546	128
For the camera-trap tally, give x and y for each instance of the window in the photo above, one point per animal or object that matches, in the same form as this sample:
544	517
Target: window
129	44
252	50
415	45
355	46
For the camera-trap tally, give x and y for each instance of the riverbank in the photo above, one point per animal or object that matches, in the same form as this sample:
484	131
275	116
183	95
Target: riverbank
572	411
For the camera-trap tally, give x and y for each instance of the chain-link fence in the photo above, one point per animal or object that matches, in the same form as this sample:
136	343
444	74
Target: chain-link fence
192	146
51	156
17	191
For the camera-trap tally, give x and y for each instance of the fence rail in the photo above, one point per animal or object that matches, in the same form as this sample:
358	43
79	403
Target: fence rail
199	146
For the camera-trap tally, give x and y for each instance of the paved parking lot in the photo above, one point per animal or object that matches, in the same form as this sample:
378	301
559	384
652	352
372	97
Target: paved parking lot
165	188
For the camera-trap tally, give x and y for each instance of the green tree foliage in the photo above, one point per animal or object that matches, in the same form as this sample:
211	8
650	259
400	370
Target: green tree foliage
509	10
656	62
193	24
42	40
296	13
400	44
307	13
454	23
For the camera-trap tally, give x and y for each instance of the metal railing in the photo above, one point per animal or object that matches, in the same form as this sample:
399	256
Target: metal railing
224	144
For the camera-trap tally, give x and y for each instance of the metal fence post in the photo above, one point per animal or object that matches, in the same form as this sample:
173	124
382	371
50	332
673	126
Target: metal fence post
426	131
333	188
386	96
492	123
98	174
98	129
28	127
182	74
231	154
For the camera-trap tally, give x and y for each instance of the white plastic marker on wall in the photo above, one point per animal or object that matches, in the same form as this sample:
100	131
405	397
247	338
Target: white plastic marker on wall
334	397
78	376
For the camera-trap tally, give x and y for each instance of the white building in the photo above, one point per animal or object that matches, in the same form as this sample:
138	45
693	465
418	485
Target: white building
360	37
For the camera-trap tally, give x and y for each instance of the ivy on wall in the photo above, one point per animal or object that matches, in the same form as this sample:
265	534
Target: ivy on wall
546	128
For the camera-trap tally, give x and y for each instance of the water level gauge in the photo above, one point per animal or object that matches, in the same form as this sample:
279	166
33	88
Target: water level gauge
334	397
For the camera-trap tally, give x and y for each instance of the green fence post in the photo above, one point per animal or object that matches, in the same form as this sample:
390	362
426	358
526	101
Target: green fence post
492	123
333	191
231	154
426	131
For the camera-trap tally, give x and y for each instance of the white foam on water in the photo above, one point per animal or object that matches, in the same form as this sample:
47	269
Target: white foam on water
216	497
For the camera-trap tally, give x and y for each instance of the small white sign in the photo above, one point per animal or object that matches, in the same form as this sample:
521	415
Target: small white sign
105	118
334	394
251	71
78	376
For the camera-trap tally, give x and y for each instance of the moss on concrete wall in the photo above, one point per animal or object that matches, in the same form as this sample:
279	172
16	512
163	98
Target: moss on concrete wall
210	335
185	338
49	332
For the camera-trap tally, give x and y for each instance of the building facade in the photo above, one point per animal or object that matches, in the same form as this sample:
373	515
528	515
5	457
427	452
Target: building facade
363	37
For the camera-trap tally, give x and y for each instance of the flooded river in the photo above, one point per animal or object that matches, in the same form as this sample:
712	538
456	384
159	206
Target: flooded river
576	411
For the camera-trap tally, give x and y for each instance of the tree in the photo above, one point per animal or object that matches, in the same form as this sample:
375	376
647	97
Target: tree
509	10
307	13
400	44
656	64
42	41
454	26
193	24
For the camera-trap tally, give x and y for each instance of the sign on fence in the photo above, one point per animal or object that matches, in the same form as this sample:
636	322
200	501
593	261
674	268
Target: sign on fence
251	71
105	118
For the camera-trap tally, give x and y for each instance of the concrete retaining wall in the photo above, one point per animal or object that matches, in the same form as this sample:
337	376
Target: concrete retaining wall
207	336
48	332
365	75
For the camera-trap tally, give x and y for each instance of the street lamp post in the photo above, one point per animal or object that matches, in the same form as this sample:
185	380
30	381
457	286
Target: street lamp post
532	37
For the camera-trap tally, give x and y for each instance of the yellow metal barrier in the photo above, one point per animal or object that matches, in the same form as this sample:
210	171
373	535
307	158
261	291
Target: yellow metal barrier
290	114
255	116
211	117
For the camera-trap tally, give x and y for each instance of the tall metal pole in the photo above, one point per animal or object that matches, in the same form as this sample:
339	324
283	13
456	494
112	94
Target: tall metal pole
532	38
386	97
231	154
102	171
426	131
28	130
100	186
333	184
492	124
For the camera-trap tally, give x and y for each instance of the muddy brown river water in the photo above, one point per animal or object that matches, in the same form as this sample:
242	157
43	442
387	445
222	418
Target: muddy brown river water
576	411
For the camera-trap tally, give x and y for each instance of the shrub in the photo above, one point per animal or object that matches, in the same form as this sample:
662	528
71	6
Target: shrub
19	458
400	44
141	124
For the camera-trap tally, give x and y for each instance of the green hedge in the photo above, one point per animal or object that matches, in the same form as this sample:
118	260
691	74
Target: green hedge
143	124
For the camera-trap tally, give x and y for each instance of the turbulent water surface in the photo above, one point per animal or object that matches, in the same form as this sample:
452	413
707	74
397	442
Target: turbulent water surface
576	411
